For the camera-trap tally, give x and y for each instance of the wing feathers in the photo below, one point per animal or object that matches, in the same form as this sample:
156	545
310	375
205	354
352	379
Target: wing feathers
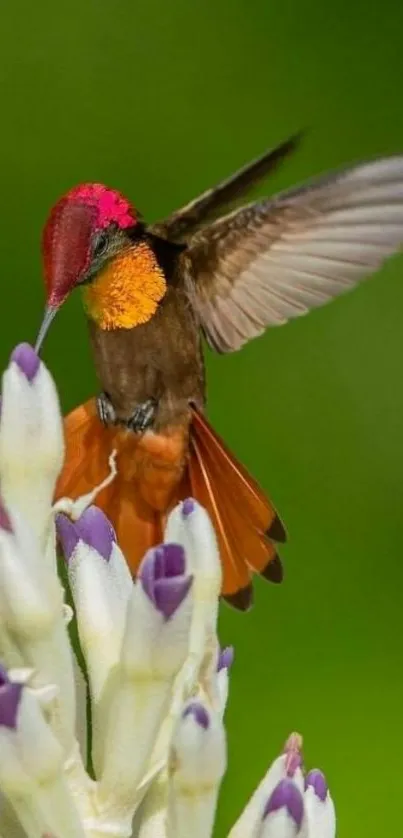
276	259
216	201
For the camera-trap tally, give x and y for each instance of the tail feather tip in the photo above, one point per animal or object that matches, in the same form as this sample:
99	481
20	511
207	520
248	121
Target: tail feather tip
241	600
274	571
276	531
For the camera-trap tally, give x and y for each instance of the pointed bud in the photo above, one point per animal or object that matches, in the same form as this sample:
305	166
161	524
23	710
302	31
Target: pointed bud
286	796
31	765
27	360
189	525
101	586
154	648
188	506
199	714
96	531
93	528
197	766
319	806
284	813
162	577
285	767
31	439
156	638
317	781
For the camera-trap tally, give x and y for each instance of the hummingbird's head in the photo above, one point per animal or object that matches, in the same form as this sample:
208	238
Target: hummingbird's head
85	230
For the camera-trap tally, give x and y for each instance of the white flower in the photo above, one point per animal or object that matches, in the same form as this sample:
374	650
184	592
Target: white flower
157	680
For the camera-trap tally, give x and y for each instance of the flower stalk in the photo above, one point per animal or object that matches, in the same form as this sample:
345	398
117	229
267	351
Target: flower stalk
158	680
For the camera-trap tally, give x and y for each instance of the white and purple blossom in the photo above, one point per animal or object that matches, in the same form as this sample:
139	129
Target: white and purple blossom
157	678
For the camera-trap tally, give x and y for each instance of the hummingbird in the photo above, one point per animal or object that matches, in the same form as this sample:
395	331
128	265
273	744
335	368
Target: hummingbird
221	269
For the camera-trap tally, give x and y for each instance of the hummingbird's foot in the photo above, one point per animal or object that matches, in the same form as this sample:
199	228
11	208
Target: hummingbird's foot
143	417
106	410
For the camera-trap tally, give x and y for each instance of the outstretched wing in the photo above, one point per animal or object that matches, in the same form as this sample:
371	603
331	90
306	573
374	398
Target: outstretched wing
217	201
278	258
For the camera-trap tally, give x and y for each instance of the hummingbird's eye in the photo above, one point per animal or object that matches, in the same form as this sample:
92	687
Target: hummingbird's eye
100	245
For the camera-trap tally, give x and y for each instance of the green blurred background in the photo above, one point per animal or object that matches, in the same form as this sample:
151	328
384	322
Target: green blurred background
161	100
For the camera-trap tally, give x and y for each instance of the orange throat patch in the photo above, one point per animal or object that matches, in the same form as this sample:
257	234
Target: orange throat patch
128	290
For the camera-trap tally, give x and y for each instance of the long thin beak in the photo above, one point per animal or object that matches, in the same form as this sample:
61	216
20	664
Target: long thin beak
50	312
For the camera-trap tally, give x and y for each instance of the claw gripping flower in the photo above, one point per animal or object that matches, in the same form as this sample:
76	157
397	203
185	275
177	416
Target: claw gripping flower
156	676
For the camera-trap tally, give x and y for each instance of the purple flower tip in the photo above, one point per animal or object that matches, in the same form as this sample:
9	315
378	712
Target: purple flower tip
27	360
317	781
94	528
188	506
225	658
162	577
172	560
5	523
199	714
10	695
67	535
286	795
169	594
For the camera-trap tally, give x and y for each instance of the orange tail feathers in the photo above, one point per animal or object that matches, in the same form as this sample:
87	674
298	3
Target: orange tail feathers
245	521
152	477
149	470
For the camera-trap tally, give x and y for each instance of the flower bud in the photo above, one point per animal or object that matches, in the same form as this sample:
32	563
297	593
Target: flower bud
31	765
101	586
286	766
31	608
197	766
319	806
154	648
284	813
31	439
189	525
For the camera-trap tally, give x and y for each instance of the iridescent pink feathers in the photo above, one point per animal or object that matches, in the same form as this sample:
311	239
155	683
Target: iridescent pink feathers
110	205
68	234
